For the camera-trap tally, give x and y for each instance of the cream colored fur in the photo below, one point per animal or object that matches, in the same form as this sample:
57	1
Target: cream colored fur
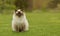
20	20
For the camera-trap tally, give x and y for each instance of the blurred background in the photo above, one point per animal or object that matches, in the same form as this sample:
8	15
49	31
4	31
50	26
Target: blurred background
44	19
7	6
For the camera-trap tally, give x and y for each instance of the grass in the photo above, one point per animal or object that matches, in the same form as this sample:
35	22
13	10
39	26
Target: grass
41	24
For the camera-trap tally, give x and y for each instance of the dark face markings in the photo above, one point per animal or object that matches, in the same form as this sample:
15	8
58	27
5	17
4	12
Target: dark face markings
18	13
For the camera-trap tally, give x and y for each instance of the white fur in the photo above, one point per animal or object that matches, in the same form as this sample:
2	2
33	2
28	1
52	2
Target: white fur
19	10
19	20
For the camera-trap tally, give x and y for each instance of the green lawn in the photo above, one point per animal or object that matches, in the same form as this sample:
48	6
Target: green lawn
41	24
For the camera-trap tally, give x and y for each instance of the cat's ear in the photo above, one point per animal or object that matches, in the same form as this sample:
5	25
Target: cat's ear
15	10
21	9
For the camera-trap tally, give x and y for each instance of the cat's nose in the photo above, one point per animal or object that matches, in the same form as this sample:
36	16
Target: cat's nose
18	12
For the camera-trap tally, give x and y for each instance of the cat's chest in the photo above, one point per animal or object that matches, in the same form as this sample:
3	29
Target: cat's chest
19	20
